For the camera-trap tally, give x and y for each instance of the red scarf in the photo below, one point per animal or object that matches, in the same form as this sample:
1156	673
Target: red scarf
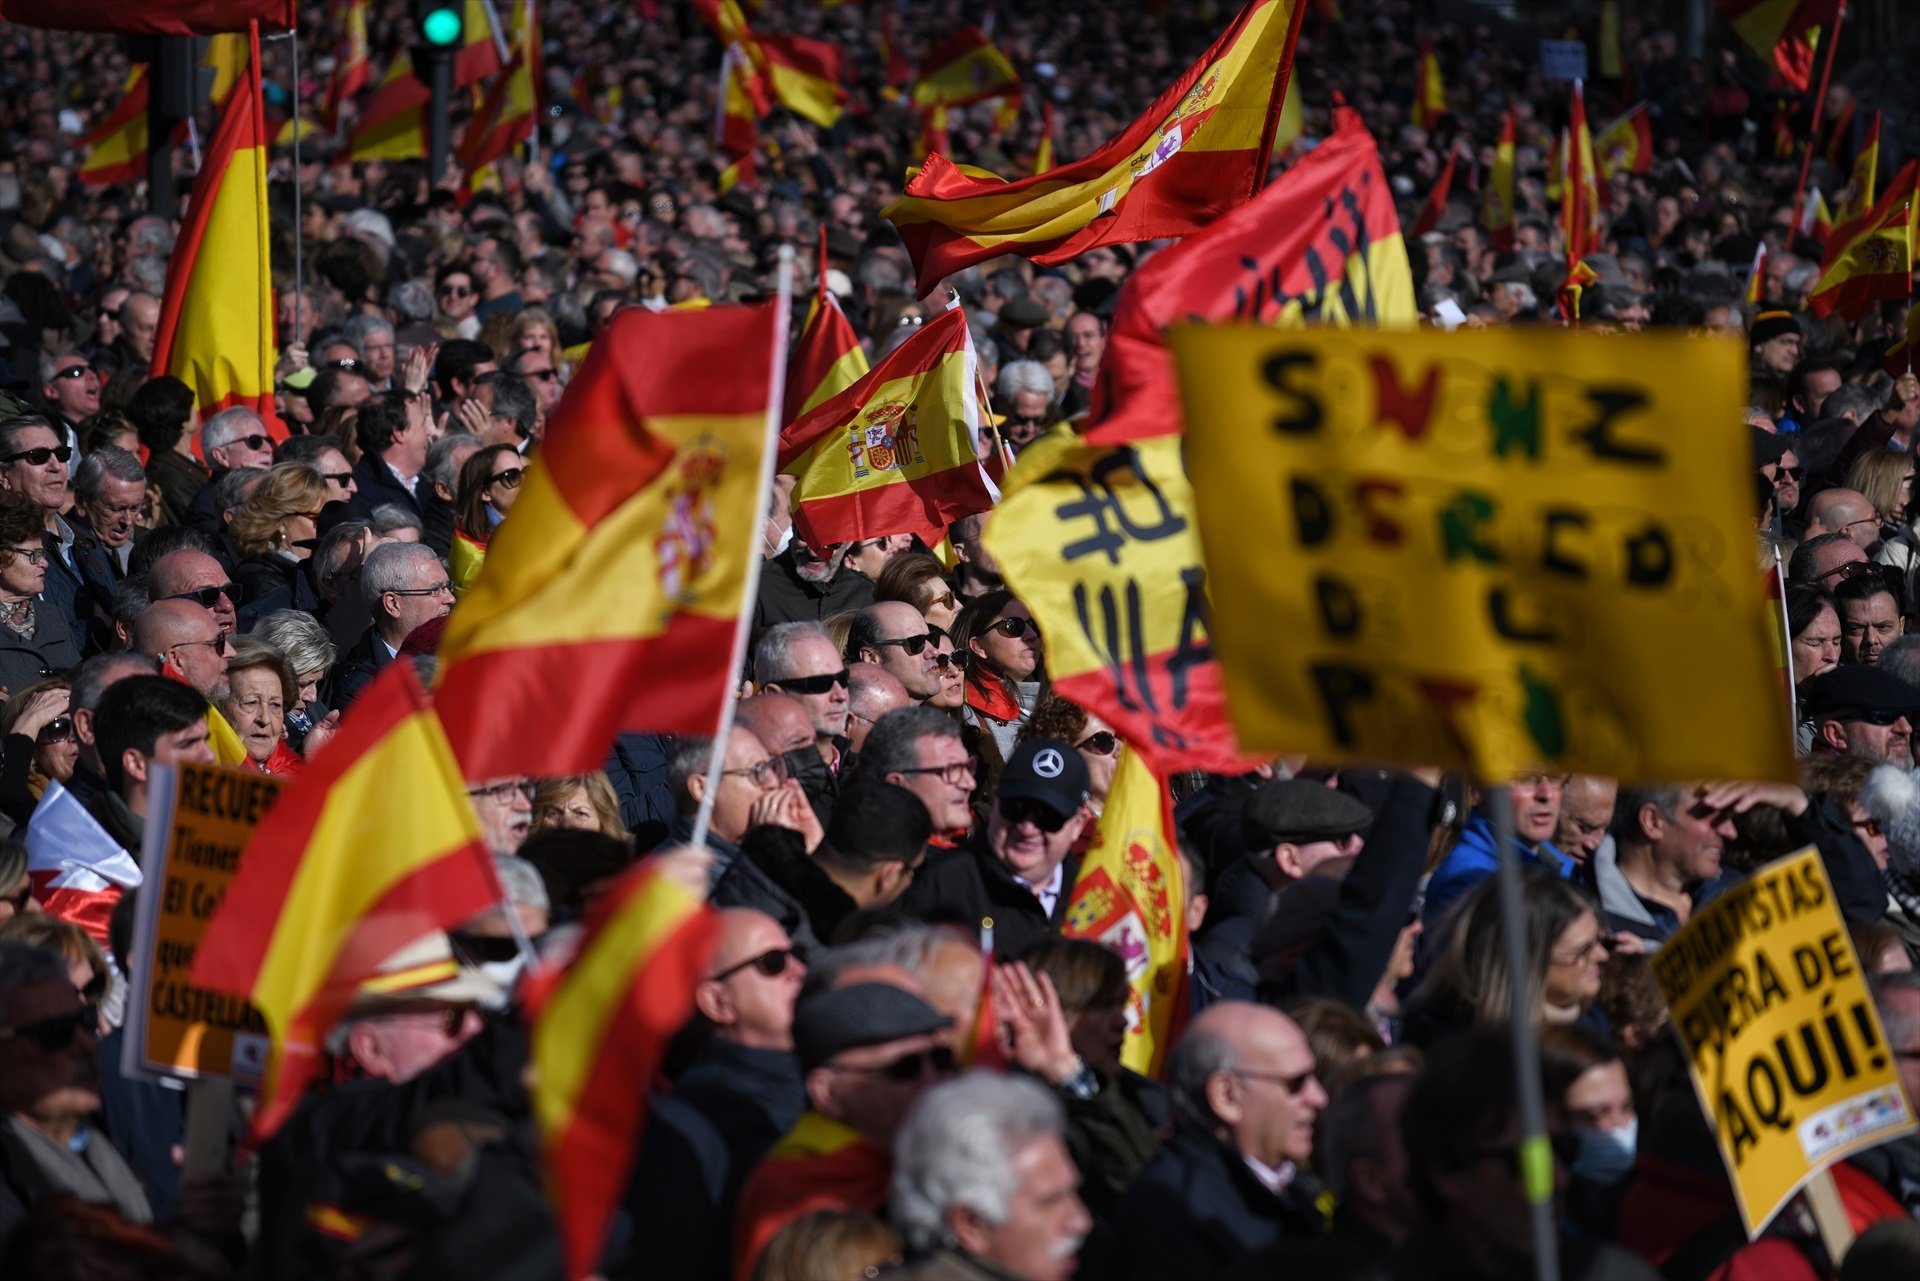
991	699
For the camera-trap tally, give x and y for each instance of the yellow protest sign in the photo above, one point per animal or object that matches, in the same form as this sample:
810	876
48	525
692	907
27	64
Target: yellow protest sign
1494	550
199	820
1100	542
1788	1056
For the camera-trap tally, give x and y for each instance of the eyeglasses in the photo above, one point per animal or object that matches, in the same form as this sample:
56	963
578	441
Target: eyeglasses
772	964
346	364
442	588
1013	628
255	441
510	477
503	791
1565	1148
57	730
952	775
73	371
812	684
544	375
480	949
1882	716
1598	943
456	291
1018	810
31	555
765	774
40	457
909	1068
205	597
54	1034
1103	743
909	645
1291	1084
1867	826
340	478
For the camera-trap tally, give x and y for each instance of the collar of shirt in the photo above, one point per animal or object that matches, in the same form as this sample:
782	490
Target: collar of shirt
409	482
1275	1180
1048	894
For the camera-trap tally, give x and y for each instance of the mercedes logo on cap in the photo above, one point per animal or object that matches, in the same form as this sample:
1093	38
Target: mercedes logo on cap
1047	763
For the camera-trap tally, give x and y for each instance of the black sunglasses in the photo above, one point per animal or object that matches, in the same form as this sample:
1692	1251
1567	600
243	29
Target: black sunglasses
339	478
73	371
944	661
1026	420
1018	810
544	375
204	597
772	964
480	949
54	1034
1879	715
42	456
909	645
909	1068
1013	628
57	730
1789	473
813	684
510	477
255	441
1100	744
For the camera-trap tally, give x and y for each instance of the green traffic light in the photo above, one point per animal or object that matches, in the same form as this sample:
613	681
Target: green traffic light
441	26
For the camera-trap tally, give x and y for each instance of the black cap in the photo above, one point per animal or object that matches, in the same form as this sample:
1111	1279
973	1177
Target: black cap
1299	810
1768	446
845	1018
1848	693
1023	313
1046	770
1769	325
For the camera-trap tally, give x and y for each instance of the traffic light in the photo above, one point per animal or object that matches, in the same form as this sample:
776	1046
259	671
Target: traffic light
440	24
439	29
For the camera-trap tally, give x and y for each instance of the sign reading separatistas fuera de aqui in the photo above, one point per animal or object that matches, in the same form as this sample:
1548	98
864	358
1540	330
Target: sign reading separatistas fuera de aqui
1492	550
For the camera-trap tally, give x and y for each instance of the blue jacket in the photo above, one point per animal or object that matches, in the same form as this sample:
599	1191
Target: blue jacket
1473	860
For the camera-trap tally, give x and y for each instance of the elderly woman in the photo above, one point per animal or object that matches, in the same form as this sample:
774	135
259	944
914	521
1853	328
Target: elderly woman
275	531
310	652
36	640
584	802
260	688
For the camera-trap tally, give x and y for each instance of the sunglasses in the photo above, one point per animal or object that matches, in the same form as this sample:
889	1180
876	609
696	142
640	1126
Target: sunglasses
73	371
204	597
340	478
456	291
1018	810
1851	569
255	441
813	684
57	730
346	364
771	964
54	1034
40	457
909	645
1013	628
1291	1084
1026	420
509	478
1789	473
1882	716
1103	743
944	661
482	949
544	375
909	1068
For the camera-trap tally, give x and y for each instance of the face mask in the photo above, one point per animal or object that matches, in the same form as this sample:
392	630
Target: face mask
786	540
1607	1155
805	764
505	973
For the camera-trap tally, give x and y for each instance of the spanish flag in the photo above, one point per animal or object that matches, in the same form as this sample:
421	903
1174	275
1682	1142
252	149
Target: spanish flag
1816	220
737	128
373	845
1130	892
805	75
1496	204
599	1032
1870	259
899	70
827	359
226	58
1436	206
898	452
117	147
1626	145
1200	150
504	119
963	68
1580	198
820	1164
1776	31
1757	276
393	121
1043	154
604	602
479	57
353	66
1866	169
1429	90
216	316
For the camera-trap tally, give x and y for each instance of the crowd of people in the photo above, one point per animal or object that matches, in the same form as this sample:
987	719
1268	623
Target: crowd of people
869	1087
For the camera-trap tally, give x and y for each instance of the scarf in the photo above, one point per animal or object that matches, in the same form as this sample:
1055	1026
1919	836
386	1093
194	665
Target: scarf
991	698
1904	888
18	617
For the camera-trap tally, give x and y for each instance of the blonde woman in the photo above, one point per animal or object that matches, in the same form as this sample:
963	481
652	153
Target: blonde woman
275	531
581	801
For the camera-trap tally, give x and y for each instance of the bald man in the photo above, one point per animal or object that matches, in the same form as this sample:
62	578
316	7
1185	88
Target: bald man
186	574
1846	512
782	723
872	692
188	643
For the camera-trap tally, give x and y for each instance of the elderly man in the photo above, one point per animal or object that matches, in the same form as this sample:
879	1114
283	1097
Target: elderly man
139	326
49	1091
800	659
110	492
403	585
537	369
1535	799
33	462
1586	811
921	750
510	413
192	575
1776	340
727	1108
867	1051
782	724
893	634
394	431
796	583
1020	870
983	1184
505	810
872	692
1862	711
70	389
232	439
1846	512
373	337
1233	1179
186	640
1026	389
754	788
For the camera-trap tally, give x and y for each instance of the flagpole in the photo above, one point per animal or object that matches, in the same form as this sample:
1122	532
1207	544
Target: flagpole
1786	635
299	224
1819	107
776	399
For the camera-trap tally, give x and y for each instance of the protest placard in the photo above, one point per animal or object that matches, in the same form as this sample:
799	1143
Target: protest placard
1563	59
1792	1067
1497	550
198	821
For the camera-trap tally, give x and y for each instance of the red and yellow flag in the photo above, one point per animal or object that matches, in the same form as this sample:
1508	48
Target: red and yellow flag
216	316
1130	896
1436	205
1200	150
1776	31
1497	213
479	57
820	1164
599	1033
1429	90
1580	197
603	603
934	138
897	452
226	58
353	65
737	126
1866	170
827	359
373	845
963	68
1757	276
506	116
1626	145
1043	154
1870	259
899	70
117	147
806	76
393	122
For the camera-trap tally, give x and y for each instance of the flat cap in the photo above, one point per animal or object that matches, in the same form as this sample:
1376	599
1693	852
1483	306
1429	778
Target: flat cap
1023	313
845	1018
1298	810
1851	692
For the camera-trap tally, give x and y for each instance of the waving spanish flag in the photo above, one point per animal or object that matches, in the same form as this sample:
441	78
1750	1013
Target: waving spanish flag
1496	204
393	121
1200	150
1776	31
604	601
1626	145
216	316
1580	197
1130	896
599	1032
1436	206
373	845
1866	169
806	75
963	68
117	147
827	359
1870	259
353	66
897	452
1429	90
505	117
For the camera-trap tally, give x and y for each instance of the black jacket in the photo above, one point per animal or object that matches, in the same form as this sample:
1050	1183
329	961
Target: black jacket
774	874
355	669
202	514
51	651
969	885
1197	1209
377	486
436	522
785	597
637	768
180	480
273	582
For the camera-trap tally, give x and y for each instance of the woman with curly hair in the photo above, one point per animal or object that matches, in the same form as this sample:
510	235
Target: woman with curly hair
36	640
275	531
1063	719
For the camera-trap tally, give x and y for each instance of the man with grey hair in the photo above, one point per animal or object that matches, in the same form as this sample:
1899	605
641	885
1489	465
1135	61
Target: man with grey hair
410	305
403	585
110	492
894	634
800	659
232	439
70	390
1025	391
872	692
440	486
983	1184
1233	1178
372	336
920	749
512	411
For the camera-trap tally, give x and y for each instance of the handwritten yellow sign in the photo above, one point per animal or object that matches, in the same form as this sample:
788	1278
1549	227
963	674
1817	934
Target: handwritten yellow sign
1496	551
1792	1066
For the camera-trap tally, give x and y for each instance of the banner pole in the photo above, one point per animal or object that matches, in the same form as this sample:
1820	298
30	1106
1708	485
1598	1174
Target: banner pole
1536	1154
299	225
1832	39
776	399
1786	638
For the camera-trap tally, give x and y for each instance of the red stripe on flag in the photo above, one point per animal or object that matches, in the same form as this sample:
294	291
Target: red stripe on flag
925	507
